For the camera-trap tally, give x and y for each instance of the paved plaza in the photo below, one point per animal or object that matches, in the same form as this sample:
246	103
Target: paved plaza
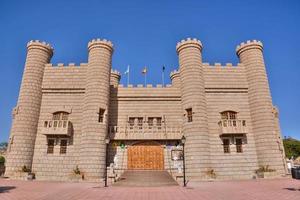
222	190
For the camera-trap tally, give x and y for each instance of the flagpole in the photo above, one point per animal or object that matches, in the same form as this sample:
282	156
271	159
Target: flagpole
128	75
145	79
163	78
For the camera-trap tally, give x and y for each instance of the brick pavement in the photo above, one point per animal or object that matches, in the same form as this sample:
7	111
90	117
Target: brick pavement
280	189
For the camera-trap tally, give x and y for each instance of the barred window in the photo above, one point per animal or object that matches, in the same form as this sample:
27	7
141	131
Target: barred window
228	115
150	122
101	115
158	122
60	116
140	122
239	145
63	146
50	146
131	122
189	113
226	145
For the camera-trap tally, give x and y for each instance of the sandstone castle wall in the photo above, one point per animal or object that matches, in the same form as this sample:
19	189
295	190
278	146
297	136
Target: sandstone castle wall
81	90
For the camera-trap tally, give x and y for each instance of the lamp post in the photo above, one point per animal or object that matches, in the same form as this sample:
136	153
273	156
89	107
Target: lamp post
106	156
183	139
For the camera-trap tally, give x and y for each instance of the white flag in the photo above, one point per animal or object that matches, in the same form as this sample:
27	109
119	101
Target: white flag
127	71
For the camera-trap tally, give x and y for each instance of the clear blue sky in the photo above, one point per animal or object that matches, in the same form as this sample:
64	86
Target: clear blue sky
146	32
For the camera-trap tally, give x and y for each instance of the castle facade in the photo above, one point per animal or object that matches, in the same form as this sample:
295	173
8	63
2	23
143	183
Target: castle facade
78	119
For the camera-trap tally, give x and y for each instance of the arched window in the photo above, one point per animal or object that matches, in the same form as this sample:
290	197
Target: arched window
228	115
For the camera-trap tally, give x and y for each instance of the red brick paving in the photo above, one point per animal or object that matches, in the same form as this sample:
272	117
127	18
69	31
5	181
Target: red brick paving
280	189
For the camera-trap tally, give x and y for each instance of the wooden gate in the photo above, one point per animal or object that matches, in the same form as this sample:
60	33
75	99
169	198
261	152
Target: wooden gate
145	156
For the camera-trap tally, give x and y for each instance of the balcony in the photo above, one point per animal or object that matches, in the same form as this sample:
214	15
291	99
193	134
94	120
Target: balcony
57	127
233	127
145	132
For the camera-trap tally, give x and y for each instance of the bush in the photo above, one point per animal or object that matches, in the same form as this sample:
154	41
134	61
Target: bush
2	160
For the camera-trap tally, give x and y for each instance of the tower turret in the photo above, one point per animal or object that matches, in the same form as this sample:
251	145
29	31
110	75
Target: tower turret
175	78
268	145
115	77
95	114
26	113
195	127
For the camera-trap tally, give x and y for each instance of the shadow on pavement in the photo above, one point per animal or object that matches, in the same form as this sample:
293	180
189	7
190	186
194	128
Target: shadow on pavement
292	189
4	189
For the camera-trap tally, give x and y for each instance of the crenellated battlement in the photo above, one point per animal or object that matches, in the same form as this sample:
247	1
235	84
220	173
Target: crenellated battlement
41	45
100	43
223	66
188	43
115	72
174	73
143	86
62	65
250	44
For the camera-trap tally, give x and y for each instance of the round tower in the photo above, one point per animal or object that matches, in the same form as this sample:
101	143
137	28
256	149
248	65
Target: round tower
268	145
115	77
96	104
195	126
175	78
26	113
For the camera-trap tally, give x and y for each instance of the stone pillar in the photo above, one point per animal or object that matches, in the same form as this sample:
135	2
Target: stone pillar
268	145
175	78
97	92
115	78
27	111
193	96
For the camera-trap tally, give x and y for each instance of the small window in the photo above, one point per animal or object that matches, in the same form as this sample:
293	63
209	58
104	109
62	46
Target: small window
60	116
150	122
228	115
239	145
131	122
63	146
189	113
226	145
46	124
101	115
158	122
140	122
50	146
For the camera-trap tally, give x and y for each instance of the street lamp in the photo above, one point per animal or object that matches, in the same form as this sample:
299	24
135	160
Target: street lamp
106	156
183	139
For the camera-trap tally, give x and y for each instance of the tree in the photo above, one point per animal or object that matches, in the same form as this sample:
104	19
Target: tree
291	147
3	146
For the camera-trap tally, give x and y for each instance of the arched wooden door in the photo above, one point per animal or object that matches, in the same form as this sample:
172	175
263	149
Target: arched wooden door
147	156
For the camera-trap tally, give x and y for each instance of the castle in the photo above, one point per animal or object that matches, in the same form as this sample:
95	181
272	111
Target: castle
79	118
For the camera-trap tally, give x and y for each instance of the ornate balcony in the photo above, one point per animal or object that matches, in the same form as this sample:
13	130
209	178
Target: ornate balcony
233	127
145	132
57	127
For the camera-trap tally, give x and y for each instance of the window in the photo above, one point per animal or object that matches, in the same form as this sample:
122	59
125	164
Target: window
239	145
189	113
50	146
63	146
131	122
228	115
60	116
226	145
140	122
158	122
101	115
150	122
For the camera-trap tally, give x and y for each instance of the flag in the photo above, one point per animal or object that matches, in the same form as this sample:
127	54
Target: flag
127	71
163	68
144	70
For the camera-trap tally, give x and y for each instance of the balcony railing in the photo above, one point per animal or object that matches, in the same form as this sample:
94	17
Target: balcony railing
233	127
145	132
57	127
